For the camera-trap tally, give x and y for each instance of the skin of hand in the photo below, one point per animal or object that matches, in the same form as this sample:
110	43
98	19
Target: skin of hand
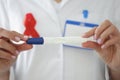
10	51
107	44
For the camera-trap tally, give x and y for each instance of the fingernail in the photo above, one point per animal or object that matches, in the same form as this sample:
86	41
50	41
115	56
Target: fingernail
26	37
83	35
17	52
17	38
103	46
95	37
13	57
99	41
30	36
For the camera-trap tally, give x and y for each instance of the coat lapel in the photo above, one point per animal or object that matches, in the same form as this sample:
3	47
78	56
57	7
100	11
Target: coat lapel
49	9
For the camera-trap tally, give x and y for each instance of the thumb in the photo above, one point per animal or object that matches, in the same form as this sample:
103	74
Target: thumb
92	45
23	47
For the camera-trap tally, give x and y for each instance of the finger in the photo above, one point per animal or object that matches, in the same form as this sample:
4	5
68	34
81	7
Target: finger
89	33
97	47
6	55
8	47
0	37
102	28
110	42
6	39
24	47
12	35
109	31
21	36
92	45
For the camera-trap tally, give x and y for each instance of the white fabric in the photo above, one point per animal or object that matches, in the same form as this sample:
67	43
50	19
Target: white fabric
57	62
107	73
12	77
56	5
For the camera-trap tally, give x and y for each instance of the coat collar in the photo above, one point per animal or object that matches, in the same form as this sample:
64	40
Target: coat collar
49	8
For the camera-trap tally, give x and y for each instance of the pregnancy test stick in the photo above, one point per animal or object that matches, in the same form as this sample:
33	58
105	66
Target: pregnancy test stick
57	40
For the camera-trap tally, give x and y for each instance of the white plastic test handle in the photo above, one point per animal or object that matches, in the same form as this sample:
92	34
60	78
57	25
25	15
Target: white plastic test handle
55	40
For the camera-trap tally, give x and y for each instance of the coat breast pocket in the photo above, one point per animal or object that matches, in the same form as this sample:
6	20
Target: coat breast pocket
77	25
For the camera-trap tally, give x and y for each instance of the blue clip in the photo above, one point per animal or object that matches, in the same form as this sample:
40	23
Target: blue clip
85	14
35	41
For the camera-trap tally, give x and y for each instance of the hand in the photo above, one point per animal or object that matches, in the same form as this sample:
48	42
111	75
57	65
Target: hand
107	45
8	50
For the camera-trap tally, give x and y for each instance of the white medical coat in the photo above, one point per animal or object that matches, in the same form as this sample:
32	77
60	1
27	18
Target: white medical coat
57	62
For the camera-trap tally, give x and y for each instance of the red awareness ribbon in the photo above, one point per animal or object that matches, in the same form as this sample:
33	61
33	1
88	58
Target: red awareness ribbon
30	24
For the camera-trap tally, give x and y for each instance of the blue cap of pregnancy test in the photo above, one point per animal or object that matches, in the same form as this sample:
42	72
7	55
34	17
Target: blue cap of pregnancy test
85	14
35	41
